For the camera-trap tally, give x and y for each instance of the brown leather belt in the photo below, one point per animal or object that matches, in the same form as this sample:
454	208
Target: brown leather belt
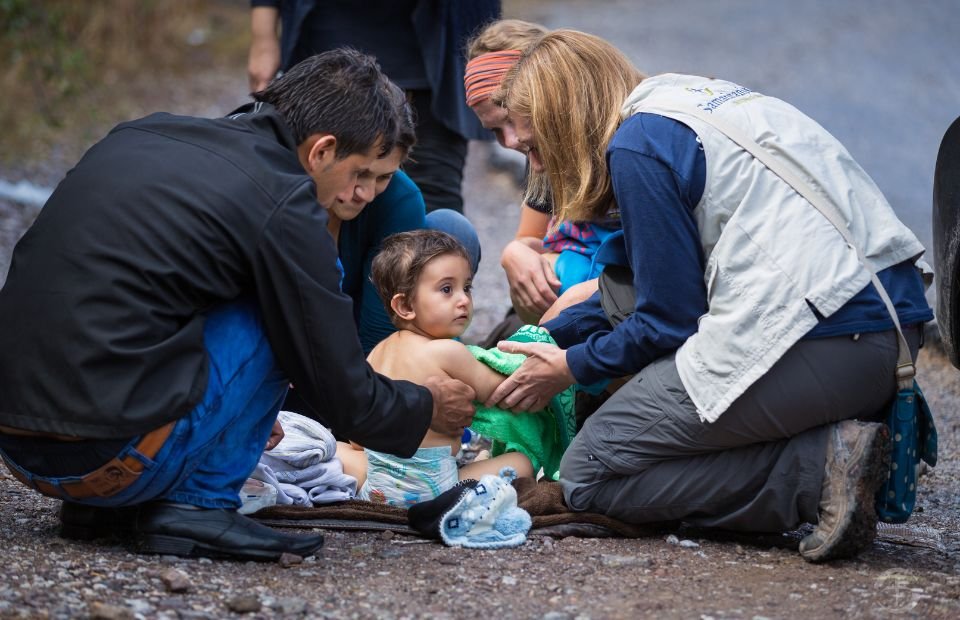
109	479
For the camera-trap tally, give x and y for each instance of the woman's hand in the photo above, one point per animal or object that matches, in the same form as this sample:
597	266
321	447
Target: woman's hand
541	376
533	283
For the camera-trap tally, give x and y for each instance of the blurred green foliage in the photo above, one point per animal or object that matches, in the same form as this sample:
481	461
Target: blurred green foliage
37	49
65	62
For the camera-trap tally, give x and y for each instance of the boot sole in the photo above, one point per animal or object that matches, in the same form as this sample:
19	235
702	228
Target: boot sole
860	529
78	532
185	547
92	524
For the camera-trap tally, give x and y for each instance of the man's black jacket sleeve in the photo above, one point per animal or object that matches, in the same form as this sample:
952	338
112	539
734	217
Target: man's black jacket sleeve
309	322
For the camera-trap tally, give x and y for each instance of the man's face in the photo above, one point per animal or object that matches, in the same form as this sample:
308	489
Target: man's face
341	179
381	171
496	119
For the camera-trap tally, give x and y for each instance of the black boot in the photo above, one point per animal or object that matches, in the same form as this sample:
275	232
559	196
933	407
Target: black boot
81	522
182	529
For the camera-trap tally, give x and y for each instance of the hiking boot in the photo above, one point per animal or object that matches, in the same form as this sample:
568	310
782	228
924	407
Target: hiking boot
858	461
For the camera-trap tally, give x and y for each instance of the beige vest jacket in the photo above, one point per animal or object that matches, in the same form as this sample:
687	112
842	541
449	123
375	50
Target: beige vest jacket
768	251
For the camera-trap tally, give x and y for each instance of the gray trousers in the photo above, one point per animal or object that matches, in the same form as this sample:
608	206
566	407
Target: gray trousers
646	457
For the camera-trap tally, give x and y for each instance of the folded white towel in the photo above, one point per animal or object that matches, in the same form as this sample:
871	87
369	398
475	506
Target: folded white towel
303	467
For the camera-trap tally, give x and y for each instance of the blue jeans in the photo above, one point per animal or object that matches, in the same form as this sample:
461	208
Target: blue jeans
458	226
212	450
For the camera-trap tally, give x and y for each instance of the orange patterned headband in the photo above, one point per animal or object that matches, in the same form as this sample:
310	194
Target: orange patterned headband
485	72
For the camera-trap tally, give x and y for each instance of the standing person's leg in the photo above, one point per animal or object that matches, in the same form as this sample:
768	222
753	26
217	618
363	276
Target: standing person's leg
437	161
645	456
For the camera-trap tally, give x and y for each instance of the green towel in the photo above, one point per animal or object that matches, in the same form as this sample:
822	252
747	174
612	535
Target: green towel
543	435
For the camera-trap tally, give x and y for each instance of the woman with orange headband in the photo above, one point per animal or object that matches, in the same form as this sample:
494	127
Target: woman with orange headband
532	261
490	55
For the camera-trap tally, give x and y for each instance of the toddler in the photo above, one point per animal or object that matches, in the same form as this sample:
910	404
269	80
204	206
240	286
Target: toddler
424	279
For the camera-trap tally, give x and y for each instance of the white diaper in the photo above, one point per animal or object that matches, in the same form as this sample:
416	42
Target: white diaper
405	482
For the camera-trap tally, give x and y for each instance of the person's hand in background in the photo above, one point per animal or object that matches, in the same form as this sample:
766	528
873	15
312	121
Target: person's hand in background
264	59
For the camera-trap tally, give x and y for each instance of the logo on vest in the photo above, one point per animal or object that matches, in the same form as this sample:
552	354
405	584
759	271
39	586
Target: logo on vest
719	99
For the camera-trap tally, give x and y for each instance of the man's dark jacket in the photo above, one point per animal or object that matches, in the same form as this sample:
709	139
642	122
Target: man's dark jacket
101	317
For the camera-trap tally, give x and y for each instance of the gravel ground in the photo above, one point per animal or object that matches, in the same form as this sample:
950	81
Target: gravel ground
914	572
382	575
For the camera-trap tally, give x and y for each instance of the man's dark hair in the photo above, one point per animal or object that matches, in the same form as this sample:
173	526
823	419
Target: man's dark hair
403	257
339	92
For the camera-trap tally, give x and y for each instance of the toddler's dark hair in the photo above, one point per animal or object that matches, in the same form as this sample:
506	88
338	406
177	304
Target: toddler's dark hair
402	258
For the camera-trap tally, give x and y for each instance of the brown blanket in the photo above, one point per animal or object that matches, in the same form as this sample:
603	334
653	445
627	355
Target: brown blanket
543	500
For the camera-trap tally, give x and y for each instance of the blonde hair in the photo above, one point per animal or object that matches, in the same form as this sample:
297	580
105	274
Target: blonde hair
504	34
571	85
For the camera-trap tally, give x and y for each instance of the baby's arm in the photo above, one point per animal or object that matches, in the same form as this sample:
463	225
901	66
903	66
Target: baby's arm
455	359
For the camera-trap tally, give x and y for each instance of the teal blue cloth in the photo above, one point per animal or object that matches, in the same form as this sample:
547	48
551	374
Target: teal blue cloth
914	438
543	436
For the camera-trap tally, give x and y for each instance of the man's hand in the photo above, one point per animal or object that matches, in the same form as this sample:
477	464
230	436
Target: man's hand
541	376
276	436
533	283
453	407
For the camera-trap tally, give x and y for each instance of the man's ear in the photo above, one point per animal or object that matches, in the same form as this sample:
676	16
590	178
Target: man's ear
401	307
317	152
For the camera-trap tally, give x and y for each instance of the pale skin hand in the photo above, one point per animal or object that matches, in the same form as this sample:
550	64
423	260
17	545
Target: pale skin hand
530	275
541	376
453	407
264	59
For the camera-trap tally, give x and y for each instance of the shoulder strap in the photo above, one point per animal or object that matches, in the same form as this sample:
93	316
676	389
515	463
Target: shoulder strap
905	367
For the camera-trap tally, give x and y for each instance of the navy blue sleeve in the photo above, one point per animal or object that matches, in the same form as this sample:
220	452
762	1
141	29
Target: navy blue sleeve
658	172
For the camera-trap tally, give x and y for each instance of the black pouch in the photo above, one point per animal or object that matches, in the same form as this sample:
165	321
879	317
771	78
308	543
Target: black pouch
618	298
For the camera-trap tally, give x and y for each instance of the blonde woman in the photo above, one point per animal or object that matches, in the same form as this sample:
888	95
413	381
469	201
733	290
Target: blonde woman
754	336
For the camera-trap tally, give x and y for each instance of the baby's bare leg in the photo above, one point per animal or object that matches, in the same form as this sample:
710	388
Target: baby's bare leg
516	460
354	461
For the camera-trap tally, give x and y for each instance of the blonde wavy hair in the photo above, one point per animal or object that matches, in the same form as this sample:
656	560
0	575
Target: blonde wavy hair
571	85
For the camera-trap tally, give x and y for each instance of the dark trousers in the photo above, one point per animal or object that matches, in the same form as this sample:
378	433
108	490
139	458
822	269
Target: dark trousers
436	163
645	456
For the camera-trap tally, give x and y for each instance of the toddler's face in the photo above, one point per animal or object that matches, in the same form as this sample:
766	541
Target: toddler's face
443	299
